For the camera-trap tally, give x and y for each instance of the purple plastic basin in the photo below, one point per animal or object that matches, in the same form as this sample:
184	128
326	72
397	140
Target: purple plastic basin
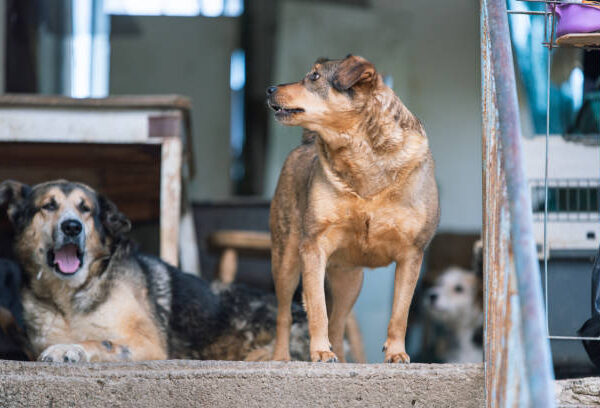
577	18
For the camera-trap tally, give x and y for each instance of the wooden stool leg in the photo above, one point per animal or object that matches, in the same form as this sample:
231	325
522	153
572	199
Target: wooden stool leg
228	266
357	348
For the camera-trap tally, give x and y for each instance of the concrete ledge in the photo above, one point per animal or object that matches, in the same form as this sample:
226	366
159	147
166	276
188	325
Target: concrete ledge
580	392
230	384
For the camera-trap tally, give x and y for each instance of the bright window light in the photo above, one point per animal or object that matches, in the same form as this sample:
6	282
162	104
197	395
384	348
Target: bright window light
207	8
576	81
234	8
133	7
212	8
237	76
81	59
153	7
181	8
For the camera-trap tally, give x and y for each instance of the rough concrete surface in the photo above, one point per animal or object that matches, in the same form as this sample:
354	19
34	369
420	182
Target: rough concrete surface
580	392
237	384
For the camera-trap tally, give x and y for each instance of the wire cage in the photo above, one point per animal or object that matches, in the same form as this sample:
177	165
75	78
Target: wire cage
568	199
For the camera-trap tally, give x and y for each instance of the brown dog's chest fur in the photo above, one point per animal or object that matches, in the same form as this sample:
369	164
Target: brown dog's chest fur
123	316
365	228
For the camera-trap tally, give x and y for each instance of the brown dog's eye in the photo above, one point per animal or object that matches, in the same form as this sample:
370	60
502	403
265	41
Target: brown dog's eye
314	76
50	206
459	289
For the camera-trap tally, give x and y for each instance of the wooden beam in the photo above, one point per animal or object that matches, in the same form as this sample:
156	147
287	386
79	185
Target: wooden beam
259	33
170	199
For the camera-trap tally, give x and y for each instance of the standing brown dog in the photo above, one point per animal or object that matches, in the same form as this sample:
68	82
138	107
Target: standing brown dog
360	191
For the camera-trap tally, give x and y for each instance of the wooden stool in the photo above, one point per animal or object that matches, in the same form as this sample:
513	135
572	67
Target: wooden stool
230	242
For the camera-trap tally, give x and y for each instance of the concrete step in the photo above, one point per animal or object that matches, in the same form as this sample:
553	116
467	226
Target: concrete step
181	383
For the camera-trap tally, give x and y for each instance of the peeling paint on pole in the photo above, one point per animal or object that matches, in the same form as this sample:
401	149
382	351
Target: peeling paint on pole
518	369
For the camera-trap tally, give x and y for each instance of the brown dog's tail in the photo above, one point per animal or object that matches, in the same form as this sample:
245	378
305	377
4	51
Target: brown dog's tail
308	136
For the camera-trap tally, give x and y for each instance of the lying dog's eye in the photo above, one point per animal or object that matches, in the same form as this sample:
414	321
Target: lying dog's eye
458	289
51	206
84	208
314	76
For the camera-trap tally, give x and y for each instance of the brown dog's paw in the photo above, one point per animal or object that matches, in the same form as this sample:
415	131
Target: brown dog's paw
397	358
394	353
323	357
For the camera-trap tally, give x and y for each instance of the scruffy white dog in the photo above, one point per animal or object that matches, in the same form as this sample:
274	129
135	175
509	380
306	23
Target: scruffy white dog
454	306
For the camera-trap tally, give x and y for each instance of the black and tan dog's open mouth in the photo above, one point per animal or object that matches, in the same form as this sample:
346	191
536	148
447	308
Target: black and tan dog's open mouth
281	111
66	260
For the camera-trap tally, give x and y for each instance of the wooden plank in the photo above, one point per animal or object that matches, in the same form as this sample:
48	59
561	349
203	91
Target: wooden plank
76	154
236	239
127	174
147	102
582	40
170	199
76	126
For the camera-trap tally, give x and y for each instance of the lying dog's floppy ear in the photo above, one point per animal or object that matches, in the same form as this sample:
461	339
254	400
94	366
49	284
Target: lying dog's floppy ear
115	222
353	70
12	193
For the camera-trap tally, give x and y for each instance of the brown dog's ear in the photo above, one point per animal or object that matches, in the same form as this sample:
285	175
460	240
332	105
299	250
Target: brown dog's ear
353	70
115	222
12	193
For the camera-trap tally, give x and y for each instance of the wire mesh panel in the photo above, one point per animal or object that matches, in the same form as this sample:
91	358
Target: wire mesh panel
566	208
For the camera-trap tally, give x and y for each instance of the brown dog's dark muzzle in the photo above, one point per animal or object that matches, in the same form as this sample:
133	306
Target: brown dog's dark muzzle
281	111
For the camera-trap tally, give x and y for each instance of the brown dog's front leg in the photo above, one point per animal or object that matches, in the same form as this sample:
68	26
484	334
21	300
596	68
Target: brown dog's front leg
407	274
314	261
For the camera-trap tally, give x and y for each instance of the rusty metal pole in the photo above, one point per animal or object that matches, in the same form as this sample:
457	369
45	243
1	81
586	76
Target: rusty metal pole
538	361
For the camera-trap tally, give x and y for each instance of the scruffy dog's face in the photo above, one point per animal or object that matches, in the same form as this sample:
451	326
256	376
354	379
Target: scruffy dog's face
63	230
455	298
330	96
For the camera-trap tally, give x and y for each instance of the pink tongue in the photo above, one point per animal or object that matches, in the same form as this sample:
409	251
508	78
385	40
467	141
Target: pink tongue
67	259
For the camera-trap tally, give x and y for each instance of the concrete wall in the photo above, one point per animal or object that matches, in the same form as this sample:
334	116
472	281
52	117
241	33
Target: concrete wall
189	56
182	383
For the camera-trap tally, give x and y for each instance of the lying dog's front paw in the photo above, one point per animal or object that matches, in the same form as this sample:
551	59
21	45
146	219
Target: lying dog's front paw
323	357
64	353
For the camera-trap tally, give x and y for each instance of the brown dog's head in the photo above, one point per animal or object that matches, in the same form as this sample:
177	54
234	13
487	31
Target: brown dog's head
330	96
61	228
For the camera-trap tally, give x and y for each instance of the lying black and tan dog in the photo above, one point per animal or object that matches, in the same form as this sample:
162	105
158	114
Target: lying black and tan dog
88	295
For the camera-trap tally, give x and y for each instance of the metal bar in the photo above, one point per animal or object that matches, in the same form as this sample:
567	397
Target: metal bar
529	13
548	55
504	357
538	362
554	1
573	338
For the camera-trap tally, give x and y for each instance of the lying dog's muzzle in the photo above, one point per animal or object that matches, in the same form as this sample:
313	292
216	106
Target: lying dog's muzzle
66	259
66	256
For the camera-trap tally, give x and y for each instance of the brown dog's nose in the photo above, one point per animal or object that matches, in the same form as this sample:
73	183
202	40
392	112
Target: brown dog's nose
271	90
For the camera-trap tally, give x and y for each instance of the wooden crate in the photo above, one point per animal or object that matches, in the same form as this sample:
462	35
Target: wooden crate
130	148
